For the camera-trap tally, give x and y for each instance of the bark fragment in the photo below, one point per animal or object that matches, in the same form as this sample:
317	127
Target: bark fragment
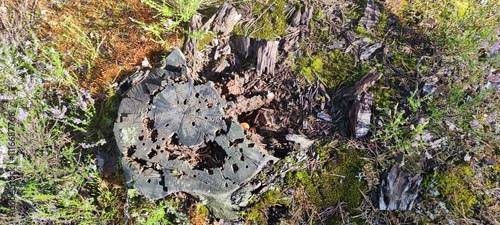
266	56
398	189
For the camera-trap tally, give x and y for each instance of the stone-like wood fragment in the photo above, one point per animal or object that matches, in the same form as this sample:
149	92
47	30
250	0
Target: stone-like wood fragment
224	20
371	16
398	189
360	115
266	56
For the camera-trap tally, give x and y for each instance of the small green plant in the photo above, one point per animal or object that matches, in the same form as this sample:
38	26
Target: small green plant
171	14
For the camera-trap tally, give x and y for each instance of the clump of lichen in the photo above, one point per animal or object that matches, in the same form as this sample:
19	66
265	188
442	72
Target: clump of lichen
338	182
455	189
332	68
270	22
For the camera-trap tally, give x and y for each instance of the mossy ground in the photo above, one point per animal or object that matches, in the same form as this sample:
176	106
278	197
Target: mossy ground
332	68
96	44
337	181
270	20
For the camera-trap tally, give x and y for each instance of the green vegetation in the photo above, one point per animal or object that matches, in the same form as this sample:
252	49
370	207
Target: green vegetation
338	181
171	14
332	69
257	213
58	124
454	187
270	20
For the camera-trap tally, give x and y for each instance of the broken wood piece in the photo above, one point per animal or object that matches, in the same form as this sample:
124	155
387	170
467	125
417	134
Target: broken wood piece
266	56
371	16
224	20
190	49
398	189
366	82
242	45
300	139
253	103
360	115
366	52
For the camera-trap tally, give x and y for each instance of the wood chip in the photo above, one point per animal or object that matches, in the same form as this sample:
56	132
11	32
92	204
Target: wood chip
266	56
360	115
398	189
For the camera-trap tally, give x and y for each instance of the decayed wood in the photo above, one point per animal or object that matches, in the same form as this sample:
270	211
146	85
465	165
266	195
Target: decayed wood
224	20
266	56
360	115
190	48
398	189
366	52
371	16
366	82
242	45
361	111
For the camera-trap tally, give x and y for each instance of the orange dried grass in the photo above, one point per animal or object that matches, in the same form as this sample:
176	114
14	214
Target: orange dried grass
124	43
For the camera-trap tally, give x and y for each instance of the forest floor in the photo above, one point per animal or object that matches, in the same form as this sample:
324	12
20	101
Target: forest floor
432	69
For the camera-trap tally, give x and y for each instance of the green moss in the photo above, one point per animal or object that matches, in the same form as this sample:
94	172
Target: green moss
205	39
337	182
382	23
256	214
361	30
454	187
271	21
332	68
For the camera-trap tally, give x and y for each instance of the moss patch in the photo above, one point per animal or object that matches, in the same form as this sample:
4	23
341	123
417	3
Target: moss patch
454	187
257	213
332	68
337	182
270	21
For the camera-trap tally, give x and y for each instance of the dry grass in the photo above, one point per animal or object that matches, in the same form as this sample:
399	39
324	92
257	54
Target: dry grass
100	41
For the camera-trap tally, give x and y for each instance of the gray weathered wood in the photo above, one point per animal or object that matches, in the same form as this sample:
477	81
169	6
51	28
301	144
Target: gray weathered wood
266	56
398	189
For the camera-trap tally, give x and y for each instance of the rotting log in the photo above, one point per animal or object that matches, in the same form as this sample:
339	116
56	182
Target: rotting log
223	21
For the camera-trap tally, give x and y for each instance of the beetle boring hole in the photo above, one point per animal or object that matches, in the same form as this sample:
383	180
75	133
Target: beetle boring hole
131	150
152	154
235	168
